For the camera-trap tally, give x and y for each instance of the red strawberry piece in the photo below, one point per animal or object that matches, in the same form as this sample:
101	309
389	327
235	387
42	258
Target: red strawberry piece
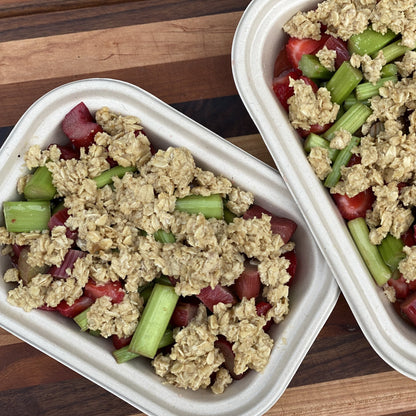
262	308
316	129
354	160
400	287
248	284
291	256
210	297
227	351
409	237
120	342
356	206
296	48
67	151
80	126
113	290
282	226
281	86
408	308
183	313
76	308
282	63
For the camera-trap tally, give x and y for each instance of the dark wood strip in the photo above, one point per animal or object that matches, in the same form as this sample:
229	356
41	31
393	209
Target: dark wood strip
108	15
66	398
199	79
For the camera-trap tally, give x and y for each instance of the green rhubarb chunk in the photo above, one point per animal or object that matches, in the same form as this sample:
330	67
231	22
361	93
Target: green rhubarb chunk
389	70
369	252
163	236
81	320
341	160
228	215
350	121
154	321
40	187
123	354
312	68
343	82
106	178
393	51
367	90
391	250
26	216
313	140
369	42
210	206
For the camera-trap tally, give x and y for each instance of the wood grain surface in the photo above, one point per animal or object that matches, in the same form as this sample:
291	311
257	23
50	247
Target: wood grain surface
180	52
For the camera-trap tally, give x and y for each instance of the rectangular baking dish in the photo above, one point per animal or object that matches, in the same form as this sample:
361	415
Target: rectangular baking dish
258	39
312	298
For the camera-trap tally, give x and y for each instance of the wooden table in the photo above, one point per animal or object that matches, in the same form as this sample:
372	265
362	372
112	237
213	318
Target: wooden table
178	50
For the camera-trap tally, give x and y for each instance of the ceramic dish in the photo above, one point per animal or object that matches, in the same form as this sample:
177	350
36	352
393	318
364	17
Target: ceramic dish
257	41
312	298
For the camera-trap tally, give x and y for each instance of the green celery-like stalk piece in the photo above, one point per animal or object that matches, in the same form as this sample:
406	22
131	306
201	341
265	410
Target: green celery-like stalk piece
389	70
145	291
312	68
154	321
81	320
106	178
369	42
393	51
123	354
40	187
369	252
343	82
26	216
163	236
313	140
350	121
341	160
367	90
228	215
210	206
391	250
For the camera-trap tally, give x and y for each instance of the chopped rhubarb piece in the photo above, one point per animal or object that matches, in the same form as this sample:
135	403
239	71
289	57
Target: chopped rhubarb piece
60	272
262	308
340	47
76	308
227	351
400	287
408	308
412	285
291	256
80	126
67	151
248	284
59	218
408	237
316	129
210	297
113	290
183	313
47	308
26	271
282	226
120	342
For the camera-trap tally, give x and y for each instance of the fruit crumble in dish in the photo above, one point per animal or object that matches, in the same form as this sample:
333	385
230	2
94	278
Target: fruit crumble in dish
140	245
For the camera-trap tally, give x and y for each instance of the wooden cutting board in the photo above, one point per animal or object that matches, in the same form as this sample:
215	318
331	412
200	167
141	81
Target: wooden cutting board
180	52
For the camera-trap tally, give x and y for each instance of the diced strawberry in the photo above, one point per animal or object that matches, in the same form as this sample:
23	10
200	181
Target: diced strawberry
400	287
412	285
76	308
262	308
408	308
58	219
282	63
113	290
356	206
354	160
316	129
291	256
112	162
210	297
248	284
282	226
120	342
340	47
67	151
296	48
60	272
183	313
409	237
227	351
80	126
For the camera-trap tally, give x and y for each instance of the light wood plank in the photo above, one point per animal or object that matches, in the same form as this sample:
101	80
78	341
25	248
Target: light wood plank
118	48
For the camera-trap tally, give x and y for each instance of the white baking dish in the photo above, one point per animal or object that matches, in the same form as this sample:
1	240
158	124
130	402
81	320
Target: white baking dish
312	298
257	41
